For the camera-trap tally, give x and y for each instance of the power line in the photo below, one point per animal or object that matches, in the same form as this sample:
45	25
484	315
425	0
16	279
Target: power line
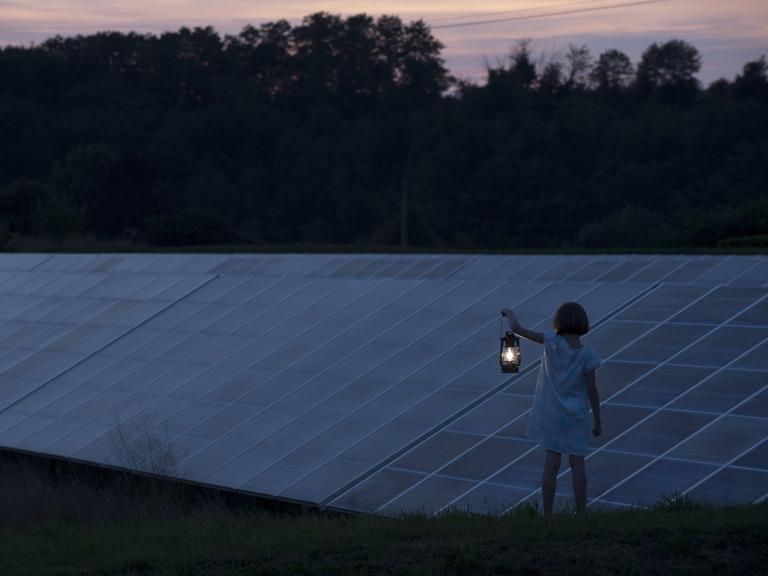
527	225
548	14
518	11
284	231
476	198
454	216
507	200
456	25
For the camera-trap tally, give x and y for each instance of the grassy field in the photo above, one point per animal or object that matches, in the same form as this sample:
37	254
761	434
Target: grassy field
682	540
58	517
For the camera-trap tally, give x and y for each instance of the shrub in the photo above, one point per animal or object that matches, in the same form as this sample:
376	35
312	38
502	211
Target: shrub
184	228
59	216
632	226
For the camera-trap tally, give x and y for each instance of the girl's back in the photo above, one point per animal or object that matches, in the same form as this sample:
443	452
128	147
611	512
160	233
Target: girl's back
563	372
560	408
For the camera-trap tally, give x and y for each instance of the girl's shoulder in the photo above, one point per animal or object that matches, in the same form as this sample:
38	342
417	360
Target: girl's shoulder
549	337
558	341
591	358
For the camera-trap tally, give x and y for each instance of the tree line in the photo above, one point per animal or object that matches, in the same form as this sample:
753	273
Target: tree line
314	133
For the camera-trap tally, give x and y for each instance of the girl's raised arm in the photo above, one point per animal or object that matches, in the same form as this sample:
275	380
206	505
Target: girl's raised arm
514	325
537	337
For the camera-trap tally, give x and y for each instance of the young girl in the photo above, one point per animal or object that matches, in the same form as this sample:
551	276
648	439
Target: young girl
558	418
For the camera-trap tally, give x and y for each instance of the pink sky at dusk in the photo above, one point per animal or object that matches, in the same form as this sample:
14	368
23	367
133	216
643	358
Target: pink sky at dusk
727	34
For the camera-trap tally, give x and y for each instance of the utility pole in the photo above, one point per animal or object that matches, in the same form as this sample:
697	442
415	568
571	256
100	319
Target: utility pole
403	214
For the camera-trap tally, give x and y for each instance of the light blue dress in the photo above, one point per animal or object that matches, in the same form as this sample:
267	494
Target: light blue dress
559	415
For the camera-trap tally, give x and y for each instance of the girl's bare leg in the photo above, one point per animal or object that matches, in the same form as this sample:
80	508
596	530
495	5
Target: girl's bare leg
579	476
549	480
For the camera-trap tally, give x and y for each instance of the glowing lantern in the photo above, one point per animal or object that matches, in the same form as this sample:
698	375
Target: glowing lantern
509	354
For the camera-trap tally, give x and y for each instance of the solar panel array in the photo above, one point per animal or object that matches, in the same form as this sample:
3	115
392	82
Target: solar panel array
371	382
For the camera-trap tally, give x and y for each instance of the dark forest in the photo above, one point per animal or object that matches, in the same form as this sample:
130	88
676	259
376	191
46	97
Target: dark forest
315	133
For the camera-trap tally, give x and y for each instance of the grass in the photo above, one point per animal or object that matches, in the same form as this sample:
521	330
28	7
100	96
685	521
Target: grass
59	518
684	540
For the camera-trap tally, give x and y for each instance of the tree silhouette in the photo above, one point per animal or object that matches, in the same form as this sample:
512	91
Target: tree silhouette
612	72
667	71
308	133
753	80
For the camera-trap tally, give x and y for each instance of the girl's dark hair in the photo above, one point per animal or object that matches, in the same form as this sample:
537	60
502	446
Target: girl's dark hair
570	317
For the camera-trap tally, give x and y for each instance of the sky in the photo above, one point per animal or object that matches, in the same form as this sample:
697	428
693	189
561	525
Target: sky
727	34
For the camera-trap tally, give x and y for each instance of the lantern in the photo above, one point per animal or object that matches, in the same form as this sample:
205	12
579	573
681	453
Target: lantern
509	353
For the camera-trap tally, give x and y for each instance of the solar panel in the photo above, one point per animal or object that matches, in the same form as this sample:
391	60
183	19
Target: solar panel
371	382
660	479
661	385
663	435
731	486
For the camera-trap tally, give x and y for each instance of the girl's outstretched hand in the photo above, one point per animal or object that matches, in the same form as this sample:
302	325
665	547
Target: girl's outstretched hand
511	316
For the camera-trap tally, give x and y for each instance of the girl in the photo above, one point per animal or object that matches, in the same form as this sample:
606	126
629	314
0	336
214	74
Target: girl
558	418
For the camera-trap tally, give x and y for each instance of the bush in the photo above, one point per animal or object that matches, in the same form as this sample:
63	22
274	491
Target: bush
5	235
184	228
728	226
758	240
18	201
59	217
633	226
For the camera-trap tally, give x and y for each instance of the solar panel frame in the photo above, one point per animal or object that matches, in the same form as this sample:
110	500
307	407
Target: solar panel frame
646	295
661	479
277	303
728	486
590	289
400	321
598	497
44	375
754	275
756	458
71	316
657	270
